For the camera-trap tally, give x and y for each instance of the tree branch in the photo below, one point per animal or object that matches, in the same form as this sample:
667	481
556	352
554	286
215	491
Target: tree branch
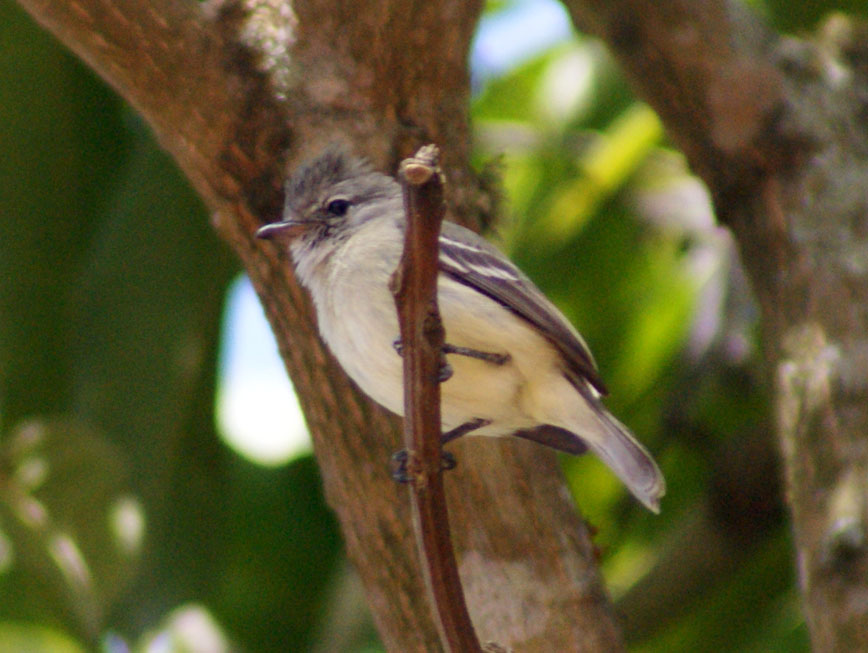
414	285
776	129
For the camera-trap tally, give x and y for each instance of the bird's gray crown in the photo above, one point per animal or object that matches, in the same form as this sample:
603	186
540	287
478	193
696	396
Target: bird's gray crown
335	173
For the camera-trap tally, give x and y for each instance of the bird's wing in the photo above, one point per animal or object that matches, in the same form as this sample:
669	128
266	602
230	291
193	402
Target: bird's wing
470	260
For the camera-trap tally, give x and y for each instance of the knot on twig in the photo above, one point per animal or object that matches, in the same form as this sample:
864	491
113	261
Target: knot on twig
396	280
432	327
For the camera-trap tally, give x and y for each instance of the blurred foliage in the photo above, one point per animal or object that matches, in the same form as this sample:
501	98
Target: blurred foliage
126	524
805	15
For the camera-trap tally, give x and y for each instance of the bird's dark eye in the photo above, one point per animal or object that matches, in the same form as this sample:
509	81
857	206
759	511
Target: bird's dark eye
338	207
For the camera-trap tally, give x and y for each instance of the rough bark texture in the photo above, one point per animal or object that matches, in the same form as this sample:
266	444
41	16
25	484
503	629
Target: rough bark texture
778	130
236	91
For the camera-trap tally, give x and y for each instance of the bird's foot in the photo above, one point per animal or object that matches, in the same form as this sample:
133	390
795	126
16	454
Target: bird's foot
445	371
405	466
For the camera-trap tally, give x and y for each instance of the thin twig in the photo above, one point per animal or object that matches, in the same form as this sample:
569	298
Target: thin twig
414	286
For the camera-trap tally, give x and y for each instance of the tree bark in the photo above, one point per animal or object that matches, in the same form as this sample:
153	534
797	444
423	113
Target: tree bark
235	92
777	129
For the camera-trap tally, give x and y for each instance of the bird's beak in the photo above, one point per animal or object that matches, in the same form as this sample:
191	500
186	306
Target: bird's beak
285	229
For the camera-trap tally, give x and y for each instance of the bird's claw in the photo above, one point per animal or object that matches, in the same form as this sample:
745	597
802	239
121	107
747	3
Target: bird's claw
402	465
445	371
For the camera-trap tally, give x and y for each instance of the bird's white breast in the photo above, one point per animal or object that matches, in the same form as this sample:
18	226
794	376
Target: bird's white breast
358	321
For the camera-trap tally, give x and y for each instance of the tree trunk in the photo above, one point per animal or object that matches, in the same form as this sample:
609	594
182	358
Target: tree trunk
777	129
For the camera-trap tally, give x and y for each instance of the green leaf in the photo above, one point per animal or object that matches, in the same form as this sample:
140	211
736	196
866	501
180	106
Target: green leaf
604	166
35	638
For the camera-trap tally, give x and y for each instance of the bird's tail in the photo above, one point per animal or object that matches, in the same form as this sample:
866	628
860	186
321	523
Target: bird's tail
618	448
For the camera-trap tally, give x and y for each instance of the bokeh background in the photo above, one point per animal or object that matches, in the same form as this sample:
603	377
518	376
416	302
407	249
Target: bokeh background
157	487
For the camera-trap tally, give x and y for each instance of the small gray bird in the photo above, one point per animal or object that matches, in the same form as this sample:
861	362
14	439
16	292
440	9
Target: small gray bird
519	367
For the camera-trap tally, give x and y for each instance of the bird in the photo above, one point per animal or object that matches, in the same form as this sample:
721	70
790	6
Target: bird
519	368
